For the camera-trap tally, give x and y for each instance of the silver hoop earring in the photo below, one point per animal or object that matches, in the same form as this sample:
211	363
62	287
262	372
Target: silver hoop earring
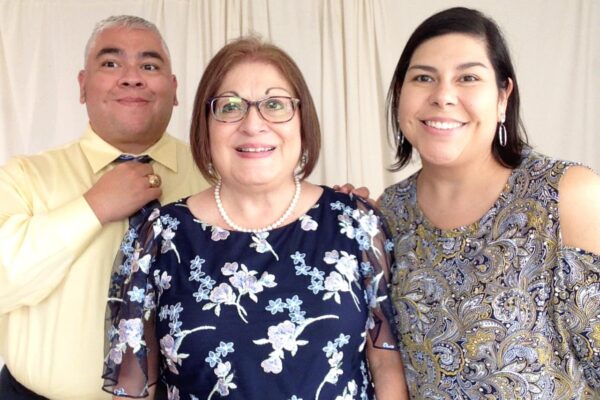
400	138
502	135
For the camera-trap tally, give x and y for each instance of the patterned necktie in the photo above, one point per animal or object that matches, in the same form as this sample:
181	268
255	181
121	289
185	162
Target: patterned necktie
138	218
120	264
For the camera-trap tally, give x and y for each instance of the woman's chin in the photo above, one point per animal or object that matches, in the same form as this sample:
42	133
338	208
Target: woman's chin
439	157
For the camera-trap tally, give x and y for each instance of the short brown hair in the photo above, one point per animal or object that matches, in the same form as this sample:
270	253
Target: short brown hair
246	49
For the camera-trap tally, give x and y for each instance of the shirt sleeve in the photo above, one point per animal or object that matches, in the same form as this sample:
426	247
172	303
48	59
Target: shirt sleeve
131	349
376	269
578	304
37	248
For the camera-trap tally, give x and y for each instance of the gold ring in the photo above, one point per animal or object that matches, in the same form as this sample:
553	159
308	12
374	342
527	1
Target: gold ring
154	180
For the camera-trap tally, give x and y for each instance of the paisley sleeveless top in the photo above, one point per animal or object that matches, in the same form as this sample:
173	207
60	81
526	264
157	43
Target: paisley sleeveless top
498	309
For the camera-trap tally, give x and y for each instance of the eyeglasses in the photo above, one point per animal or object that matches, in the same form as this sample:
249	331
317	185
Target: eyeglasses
276	109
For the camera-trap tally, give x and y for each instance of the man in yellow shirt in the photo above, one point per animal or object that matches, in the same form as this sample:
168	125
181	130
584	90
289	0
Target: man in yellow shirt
63	214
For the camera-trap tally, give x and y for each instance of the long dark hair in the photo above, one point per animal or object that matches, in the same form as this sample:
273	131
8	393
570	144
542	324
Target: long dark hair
471	22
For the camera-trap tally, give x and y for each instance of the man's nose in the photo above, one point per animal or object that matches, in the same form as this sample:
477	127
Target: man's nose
131	78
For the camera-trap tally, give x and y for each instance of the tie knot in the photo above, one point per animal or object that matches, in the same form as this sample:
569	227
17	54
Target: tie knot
144	159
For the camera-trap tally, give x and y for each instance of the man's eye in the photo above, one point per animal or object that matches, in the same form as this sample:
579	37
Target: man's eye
109	64
150	67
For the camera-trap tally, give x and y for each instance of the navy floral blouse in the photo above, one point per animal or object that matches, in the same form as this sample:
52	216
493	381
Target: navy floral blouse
280	315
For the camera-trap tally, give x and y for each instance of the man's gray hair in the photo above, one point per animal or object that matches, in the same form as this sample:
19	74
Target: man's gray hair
123	21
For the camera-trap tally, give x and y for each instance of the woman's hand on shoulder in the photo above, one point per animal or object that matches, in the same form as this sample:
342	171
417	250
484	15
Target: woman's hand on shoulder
579	209
349	188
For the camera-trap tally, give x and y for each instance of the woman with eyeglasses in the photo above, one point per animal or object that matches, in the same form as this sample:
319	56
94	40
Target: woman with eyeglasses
264	286
497	247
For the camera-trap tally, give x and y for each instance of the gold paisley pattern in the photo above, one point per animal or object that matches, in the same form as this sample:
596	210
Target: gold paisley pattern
499	309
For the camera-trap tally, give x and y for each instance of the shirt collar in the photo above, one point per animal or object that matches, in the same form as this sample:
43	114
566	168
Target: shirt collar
101	154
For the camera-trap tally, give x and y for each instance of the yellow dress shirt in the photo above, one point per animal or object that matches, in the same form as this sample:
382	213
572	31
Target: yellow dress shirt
56	260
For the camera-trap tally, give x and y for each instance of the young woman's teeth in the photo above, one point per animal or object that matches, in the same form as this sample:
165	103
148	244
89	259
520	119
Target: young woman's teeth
443	125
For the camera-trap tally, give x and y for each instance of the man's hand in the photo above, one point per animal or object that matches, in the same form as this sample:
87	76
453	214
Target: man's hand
121	192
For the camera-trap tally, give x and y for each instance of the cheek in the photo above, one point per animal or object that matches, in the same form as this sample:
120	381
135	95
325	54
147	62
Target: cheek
408	105
483	104
165	87
405	115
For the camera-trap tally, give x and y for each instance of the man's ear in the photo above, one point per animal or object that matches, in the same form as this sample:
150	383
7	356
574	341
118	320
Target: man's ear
81	80
175	101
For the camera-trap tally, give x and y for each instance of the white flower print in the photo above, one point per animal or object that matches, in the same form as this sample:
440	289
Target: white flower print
169	347
342	280
165	226
222	294
222	370
172	393
346	226
116	353
218	234
168	350
130	332
245	282
316	276
308	224
338	281
365	381
334	358
259	241
163	281
334	284
365	232
154	214
138	263
367	221
130	335
350	391
284	337
272	365
136	294
167	244
206	282
196	269
373	301
346	264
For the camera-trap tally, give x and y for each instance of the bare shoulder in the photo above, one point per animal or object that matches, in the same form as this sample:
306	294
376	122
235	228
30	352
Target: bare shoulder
579	209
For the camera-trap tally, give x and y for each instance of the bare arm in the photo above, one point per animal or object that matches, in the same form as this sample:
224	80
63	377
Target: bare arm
388	373
579	209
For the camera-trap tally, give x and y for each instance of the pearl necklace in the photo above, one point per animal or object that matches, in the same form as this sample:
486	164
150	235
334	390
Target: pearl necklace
274	225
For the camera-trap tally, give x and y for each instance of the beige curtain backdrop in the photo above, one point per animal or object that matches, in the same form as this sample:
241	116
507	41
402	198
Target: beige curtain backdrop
347	50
